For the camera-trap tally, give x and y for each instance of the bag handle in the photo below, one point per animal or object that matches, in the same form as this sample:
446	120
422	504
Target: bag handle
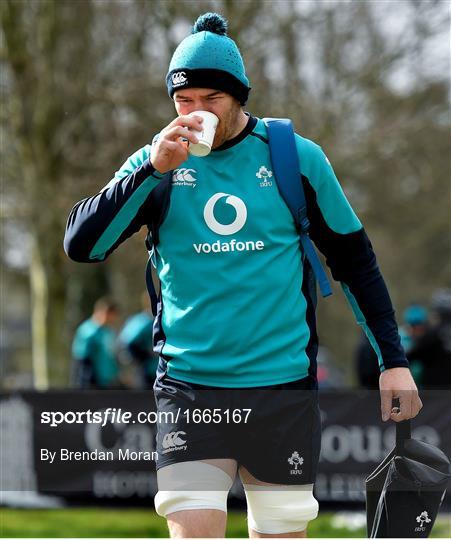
403	432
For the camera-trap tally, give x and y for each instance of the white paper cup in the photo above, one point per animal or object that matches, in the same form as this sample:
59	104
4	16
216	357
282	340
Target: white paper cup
206	136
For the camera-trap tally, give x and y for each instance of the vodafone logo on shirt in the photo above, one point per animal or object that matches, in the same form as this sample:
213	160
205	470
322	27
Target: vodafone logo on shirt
226	229
231	228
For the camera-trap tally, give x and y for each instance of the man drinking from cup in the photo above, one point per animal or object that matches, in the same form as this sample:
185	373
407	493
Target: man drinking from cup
235	329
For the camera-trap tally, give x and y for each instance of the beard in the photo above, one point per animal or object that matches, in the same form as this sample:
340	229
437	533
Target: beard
227	126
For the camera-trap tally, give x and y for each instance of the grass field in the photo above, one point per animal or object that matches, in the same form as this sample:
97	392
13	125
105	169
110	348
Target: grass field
110	523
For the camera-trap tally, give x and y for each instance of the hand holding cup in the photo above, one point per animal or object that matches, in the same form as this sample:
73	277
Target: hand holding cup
171	148
206	136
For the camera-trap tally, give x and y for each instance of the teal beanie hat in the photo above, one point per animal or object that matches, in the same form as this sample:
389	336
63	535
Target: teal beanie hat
208	58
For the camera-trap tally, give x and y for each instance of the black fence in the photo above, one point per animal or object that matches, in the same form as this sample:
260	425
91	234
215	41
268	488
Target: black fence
115	463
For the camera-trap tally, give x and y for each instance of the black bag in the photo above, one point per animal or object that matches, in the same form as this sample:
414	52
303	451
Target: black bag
404	493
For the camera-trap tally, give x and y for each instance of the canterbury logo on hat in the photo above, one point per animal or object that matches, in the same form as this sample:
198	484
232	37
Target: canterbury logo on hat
179	79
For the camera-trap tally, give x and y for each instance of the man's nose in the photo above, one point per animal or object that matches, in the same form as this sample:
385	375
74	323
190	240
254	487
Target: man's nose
199	105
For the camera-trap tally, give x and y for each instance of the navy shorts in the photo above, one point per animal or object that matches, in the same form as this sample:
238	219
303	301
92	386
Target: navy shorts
273	431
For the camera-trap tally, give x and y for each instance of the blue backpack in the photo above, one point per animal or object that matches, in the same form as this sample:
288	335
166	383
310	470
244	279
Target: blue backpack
285	162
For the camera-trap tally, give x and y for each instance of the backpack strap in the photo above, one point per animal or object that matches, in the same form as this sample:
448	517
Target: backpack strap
285	162
159	204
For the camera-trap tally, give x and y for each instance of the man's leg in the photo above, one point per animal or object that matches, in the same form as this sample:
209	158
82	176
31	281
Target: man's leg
195	506
281	507
197	524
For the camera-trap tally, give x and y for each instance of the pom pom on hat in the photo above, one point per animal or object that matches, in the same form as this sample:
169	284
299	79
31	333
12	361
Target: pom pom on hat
211	22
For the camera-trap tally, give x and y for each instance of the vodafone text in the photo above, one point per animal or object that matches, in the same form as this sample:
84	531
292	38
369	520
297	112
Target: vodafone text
232	245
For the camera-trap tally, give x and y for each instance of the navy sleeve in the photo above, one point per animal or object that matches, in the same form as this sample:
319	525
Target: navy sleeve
352	262
98	224
339	235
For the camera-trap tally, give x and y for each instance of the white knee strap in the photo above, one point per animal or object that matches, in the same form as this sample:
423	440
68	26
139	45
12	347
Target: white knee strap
281	510
191	485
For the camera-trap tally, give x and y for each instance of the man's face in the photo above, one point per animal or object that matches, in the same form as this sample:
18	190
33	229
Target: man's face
107	317
223	105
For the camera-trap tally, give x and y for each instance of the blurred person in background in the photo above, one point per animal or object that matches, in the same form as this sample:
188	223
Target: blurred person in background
329	374
367	368
433	347
94	348
415	325
136	340
237	319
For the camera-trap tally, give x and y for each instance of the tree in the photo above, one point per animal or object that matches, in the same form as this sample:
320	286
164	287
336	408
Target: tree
83	87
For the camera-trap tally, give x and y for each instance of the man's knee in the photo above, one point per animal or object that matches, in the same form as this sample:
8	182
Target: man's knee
197	524
191	485
280	509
